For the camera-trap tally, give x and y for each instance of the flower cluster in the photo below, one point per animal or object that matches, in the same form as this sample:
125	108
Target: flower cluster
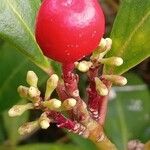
99	83
50	106
70	111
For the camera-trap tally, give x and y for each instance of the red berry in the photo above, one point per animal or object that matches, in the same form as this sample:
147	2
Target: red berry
68	30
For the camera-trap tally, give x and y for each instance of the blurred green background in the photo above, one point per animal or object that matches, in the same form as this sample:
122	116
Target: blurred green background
129	107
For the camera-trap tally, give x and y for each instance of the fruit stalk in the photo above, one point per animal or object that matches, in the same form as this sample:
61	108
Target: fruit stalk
94	130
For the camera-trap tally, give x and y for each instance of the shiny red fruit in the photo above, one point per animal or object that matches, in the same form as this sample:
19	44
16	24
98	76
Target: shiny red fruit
68	30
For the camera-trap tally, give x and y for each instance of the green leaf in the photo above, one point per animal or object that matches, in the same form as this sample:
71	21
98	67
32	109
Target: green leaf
3	148
130	35
14	68
12	130
129	113
17	27
2	130
48	147
85	144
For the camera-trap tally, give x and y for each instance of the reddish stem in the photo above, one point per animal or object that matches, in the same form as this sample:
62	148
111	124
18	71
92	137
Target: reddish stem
67	68
93	101
97	104
61	91
104	104
70	80
61	121
103	109
80	112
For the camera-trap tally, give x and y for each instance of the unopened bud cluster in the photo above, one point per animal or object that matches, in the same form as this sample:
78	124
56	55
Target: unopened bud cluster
33	94
53	108
97	59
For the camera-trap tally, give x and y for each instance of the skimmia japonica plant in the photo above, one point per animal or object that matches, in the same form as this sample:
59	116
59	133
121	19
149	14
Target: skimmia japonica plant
71	32
85	119
67	38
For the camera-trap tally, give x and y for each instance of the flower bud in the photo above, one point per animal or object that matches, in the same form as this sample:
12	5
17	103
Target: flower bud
44	124
23	91
100	49
69	103
34	92
83	66
32	79
52	83
102	44
108	44
103	48
108	47
44	121
115	61
52	104
101	87
116	79
18	110
28	128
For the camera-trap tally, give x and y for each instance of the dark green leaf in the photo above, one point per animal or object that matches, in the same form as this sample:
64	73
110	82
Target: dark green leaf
130	34
2	130
48	147
3	148
83	143
129	114
13	68
17	27
12	130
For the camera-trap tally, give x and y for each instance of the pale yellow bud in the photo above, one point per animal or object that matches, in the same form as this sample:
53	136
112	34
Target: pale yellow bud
107	48
83	66
102	44
44	124
52	104
116	79
69	103
23	91
44	121
108	44
52	83
101	87
32	78
102	49
34	92
18	110
28	128
114	61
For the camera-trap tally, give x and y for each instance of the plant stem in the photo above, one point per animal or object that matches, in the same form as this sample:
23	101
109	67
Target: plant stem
80	111
98	137
103	110
93	101
81	114
106	144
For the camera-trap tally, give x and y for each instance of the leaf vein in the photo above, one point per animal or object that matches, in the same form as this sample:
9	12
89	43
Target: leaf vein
23	22
145	17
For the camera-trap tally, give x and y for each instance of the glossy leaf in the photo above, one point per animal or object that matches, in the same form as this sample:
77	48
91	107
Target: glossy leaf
129	113
3	148
12	130
48	147
17	27
85	144
130	34
2	130
13	68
